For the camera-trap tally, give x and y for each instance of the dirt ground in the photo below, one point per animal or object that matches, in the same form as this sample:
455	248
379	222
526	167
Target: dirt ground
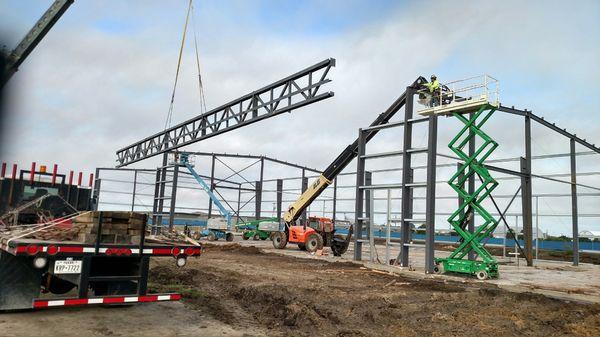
234	290
282	296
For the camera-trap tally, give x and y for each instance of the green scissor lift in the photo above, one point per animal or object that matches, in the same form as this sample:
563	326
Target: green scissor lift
251	229
487	267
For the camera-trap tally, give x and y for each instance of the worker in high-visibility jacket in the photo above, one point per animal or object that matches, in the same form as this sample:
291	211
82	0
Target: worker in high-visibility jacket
434	90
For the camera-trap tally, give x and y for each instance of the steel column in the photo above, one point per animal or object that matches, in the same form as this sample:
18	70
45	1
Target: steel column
359	200
527	212
370	214
407	178
528	216
574	212
430	196
172	202
258	200
279	198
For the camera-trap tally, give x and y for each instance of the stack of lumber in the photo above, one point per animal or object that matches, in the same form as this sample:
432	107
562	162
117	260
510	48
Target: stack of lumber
117	227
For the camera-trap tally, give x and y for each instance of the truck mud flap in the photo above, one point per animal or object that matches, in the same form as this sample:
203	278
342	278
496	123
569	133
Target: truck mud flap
19	282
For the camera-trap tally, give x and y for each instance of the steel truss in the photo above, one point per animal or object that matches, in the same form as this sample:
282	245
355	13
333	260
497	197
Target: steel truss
287	94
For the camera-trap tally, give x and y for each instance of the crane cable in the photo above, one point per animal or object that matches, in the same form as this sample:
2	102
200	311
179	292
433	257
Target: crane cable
200	84
170	113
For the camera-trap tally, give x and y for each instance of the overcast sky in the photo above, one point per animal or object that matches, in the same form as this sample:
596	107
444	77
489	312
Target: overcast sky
102	78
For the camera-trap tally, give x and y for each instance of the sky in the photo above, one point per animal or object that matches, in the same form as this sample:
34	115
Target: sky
102	77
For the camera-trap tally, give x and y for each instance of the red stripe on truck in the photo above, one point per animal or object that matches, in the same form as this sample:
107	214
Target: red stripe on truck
37	304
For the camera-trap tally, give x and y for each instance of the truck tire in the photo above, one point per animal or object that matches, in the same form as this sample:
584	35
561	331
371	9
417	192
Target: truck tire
256	237
279	240
313	242
228	237
211	236
245	236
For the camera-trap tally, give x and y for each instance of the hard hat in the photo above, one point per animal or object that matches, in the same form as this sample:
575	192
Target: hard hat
433	76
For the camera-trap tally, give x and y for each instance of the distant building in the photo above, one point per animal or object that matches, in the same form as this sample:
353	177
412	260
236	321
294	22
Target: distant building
592	235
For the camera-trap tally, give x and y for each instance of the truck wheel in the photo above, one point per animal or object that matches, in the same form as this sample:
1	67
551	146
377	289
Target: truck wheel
245	236
279	240
211	236
228	237
256	237
302	246
313	242
482	275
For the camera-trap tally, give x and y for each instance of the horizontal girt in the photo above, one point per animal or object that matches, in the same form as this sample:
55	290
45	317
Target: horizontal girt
285	95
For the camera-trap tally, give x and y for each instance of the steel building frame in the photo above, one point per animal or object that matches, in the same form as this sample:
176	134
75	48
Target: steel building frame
364	211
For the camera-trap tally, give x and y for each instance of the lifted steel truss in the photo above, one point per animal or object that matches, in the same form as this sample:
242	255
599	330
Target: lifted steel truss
292	92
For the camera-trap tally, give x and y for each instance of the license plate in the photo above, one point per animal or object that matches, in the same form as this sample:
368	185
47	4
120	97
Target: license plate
67	267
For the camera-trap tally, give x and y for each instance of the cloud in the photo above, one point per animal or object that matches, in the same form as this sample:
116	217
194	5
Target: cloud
87	91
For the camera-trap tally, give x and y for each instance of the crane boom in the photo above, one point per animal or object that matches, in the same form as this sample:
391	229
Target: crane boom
325	179
33	37
183	160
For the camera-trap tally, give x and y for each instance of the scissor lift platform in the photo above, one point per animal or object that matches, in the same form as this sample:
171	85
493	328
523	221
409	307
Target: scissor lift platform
464	96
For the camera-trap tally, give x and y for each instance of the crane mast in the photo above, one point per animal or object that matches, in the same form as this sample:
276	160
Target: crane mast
33	37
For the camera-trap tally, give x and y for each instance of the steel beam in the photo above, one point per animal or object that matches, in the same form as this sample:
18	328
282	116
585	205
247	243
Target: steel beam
249	156
282	96
549	125
574	208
